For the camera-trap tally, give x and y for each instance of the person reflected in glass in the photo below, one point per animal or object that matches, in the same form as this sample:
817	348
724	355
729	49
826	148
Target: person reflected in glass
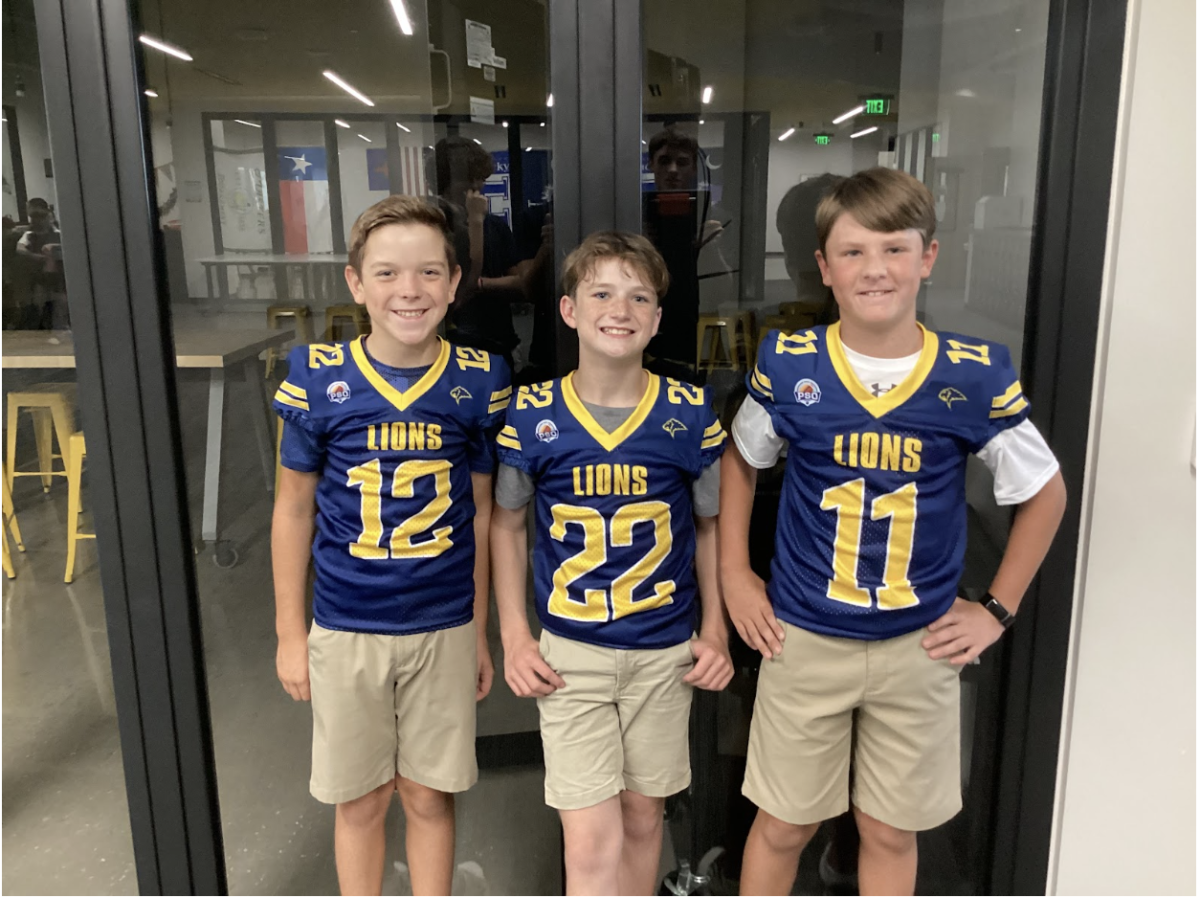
679	220
39	255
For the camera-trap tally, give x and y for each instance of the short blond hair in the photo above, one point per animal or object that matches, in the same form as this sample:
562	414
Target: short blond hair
632	249
399	209
879	199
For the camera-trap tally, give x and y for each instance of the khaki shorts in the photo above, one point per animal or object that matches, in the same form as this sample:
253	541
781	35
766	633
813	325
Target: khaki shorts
621	722
387	705
903	708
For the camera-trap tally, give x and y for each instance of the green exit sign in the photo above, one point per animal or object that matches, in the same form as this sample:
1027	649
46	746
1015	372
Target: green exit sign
876	106
821	139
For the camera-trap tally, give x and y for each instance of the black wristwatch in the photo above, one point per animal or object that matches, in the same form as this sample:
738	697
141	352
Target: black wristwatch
1002	614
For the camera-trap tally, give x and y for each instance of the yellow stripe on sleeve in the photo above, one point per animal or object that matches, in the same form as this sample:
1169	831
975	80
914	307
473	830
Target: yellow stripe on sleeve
497	406
508	442
1007	396
298	392
713	442
501	394
756	382
712	429
1019	406
762	378
283	397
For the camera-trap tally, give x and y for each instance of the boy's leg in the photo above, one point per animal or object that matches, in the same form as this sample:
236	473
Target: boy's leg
887	858
581	739
358	841
772	854
654	705
906	763
642	826
592	840
435	738
798	763
428	836
354	747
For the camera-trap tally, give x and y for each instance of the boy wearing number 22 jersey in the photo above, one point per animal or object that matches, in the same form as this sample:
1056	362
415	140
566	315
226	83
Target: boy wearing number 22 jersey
387	444
862	625
621	467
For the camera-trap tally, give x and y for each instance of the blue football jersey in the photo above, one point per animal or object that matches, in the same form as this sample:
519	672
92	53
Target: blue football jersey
615	540
873	514
394	549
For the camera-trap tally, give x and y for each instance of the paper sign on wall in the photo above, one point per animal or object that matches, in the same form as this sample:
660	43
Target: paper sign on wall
479	44
483	111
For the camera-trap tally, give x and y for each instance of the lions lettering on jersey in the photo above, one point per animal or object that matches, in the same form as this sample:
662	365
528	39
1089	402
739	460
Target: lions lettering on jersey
615	538
395	543
872	521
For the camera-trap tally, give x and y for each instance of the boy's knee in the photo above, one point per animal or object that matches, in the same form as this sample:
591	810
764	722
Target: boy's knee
641	815
882	836
783	836
369	809
422	801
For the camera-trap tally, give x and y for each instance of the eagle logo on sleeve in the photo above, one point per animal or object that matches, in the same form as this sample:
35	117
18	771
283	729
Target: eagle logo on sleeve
674	426
458	394
950	395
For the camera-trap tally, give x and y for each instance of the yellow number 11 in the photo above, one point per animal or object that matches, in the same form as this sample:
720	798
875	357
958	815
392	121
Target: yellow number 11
848	500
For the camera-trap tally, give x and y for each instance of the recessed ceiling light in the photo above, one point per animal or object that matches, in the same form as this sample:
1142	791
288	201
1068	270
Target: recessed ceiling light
340	123
850	114
402	16
242	121
150	92
702	121
505	124
165	47
550	100
477	140
706	97
784	136
348	88
364	137
863	132
965	92
404	129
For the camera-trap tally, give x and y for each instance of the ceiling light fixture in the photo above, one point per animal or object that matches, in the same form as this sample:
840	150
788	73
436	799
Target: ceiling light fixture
402	16
477	140
702	121
364	137
150	92
353	91
404	129
786	134
863	132
242	121
706	97
340	123
505	124
166	48
549	100
845	115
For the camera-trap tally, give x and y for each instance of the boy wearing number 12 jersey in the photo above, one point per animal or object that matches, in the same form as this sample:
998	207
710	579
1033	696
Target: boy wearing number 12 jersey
387	444
879	416
621	466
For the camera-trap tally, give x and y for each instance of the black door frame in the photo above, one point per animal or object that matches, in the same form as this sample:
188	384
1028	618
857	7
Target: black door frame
117	283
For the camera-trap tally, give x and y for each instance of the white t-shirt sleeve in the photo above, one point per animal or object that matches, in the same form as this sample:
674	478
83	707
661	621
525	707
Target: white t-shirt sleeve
1020	461
755	436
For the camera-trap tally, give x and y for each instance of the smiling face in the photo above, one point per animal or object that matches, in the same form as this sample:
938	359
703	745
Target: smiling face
875	276
615	311
406	284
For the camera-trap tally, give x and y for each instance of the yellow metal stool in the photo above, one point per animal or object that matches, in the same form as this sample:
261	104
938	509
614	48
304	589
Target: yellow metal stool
728	340
74	504
304	332
337	316
53	410
11	530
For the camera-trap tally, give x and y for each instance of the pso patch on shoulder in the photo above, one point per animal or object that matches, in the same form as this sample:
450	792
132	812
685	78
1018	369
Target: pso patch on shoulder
807	392
546	431
339	391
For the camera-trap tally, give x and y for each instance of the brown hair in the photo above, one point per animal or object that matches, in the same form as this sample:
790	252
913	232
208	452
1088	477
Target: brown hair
672	140
879	199
632	249
398	209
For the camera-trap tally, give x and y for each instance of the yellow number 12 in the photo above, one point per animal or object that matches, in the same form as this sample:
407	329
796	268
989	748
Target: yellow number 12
848	500
369	478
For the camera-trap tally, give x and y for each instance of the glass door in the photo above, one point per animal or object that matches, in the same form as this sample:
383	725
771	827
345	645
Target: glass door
751	110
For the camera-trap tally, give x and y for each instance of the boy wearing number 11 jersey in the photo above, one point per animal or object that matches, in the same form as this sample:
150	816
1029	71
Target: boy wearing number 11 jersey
861	623
621	466
387	444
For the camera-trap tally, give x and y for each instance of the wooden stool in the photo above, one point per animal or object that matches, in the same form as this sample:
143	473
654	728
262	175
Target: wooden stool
11	530
74	505
53	410
335	316
303	328
731	339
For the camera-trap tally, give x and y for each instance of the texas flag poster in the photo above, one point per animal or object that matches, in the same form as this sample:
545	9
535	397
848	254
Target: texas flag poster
304	200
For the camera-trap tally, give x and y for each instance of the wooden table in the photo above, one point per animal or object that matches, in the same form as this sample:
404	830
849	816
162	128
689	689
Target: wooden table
308	263
216	350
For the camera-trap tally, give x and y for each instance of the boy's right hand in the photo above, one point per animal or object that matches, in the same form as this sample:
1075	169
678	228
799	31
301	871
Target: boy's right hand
291	664
750	610
526	671
477	205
